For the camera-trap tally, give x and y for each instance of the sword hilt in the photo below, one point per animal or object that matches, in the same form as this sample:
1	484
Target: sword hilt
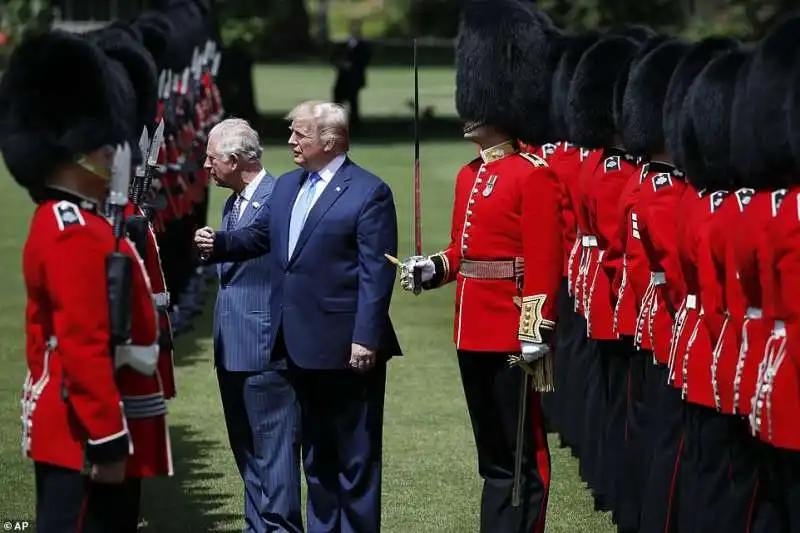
417	273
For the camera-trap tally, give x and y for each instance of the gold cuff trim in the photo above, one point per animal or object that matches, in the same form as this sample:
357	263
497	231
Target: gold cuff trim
531	321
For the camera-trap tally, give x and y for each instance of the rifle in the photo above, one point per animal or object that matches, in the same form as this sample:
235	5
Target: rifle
119	265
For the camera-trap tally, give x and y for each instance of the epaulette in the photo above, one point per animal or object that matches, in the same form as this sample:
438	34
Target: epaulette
661	181
716	199
535	159
549	149
611	164
743	197
643	174
777	199
67	214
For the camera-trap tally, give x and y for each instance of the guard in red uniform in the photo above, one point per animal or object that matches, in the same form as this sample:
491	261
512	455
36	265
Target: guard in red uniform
93	421
643	134
571	333
590	115
505	254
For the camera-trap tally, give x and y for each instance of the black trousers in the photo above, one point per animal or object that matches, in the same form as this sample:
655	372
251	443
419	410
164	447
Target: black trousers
636	449
556	403
615	358
660	495
69	502
576	401
492	390
778	508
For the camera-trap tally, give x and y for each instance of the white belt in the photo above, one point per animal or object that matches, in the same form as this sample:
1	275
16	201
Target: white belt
143	359
161	300
779	328
753	312
589	241
658	278
691	301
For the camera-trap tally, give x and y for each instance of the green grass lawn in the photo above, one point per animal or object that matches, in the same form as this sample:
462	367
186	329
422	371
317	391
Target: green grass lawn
389	89
430	480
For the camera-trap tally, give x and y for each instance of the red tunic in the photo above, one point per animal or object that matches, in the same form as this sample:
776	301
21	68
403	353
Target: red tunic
728	314
605	191
566	162
625	262
778	401
750	230
692	348
505	209
586	244
657	218
75	406
152	261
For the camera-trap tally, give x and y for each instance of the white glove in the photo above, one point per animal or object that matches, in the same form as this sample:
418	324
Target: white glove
531	351
407	272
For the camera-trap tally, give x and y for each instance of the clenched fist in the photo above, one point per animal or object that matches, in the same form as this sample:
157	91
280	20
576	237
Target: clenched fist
204	240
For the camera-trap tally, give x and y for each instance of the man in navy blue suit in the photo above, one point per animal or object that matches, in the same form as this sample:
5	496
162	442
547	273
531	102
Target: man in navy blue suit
328	226
260	405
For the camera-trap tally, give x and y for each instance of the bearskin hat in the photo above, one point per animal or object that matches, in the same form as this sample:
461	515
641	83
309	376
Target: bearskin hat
590	101
706	121
140	69
572	50
502	68
155	29
761	146
637	32
687	70
642	125
45	124
621	83
793	116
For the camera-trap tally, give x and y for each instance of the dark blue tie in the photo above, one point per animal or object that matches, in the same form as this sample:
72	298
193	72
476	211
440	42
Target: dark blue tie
233	216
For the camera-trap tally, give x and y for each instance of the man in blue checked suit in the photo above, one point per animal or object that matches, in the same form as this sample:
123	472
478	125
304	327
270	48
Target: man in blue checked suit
260	405
327	229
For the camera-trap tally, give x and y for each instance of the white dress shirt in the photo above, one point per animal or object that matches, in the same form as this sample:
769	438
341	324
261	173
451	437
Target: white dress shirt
326	174
249	191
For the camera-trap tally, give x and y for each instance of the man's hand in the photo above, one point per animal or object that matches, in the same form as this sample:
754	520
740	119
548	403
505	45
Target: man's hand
362	359
531	351
109	473
204	239
407	272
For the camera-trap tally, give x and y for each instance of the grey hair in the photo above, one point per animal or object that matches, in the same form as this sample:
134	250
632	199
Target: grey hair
330	120
236	136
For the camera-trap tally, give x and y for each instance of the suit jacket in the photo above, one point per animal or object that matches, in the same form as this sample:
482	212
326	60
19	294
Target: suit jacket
336	287
351	63
241	315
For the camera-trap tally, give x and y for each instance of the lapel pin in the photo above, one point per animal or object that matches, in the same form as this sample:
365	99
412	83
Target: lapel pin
255	205
338	189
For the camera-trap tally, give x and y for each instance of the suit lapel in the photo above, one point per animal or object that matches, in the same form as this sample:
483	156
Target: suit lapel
226	213
332	192
254	205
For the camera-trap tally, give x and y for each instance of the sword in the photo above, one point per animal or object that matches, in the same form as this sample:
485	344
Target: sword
417	270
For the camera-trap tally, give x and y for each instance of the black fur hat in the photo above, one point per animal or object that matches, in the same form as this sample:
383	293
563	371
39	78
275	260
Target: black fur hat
572	50
502	68
638	32
706	122
761	144
156	30
642	125
621	83
141	72
690	66
590	102
46	123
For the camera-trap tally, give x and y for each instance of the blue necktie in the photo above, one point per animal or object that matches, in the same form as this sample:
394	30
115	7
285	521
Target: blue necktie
233	216
300	211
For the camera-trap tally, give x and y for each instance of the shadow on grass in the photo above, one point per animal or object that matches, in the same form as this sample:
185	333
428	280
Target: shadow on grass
191	500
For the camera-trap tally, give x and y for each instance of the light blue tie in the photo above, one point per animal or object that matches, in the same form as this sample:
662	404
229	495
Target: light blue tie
301	208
